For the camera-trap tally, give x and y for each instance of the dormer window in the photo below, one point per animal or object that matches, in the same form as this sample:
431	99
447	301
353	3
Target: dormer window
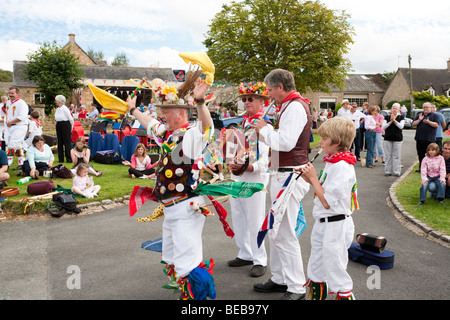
447	93
431	90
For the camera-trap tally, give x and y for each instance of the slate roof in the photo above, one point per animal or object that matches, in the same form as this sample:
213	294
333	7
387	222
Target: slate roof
423	79
100	72
360	83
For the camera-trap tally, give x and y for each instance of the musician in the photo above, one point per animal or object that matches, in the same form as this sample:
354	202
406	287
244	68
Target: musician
248	213
289	143
182	144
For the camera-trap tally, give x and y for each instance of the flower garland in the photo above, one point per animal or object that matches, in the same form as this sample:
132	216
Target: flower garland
167	95
253	88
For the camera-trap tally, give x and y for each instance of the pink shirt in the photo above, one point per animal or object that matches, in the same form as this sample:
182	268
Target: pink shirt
379	120
433	167
81	182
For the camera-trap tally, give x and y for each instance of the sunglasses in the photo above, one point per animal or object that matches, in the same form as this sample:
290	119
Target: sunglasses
244	99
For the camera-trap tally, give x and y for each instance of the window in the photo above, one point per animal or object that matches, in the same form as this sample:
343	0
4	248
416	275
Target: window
38	98
431	90
358	101
448	93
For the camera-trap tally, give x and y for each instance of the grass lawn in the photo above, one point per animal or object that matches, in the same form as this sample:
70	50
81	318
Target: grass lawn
115	183
432	213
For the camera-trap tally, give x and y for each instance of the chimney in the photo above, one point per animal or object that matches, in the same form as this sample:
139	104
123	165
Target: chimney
72	38
448	64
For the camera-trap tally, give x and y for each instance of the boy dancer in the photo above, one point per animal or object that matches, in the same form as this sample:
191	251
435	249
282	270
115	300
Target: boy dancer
335	200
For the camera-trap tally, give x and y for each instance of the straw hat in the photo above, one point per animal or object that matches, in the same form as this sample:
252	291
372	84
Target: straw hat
253	88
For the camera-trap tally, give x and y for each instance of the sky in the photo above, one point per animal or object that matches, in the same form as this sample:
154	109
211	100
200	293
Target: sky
151	33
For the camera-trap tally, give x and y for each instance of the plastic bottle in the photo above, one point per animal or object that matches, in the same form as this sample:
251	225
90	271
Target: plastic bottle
24	180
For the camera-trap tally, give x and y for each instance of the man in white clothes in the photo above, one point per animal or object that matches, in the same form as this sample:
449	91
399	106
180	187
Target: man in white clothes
248	213
16	126
344	111
289	143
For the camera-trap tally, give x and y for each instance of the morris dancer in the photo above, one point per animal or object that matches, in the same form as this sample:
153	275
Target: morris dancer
16	127
289	143
248	213
182	145
335	201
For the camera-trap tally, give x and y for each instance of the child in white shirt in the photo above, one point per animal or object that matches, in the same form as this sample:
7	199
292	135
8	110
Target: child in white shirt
333	231
83	184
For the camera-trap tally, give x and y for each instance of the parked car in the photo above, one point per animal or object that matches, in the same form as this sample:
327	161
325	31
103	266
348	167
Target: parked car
446	113
227	123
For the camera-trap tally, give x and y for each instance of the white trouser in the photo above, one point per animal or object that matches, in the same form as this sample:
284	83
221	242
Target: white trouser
286	262
329	256
248	216
15	139
182	236
393	157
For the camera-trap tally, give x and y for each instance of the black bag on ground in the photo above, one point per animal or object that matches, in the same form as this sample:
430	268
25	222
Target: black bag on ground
61	171
66	202
104	157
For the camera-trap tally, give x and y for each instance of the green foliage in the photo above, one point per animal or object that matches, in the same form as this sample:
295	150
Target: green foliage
6	76
426	96
95	55
248	39
55	71
121	59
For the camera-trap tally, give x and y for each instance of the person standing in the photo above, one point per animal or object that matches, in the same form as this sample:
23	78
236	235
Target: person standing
441	124
378	148
289	143
356	116
248	213
64	125
182	248
2	122
344	111
16	127
393	125
370	126
427	123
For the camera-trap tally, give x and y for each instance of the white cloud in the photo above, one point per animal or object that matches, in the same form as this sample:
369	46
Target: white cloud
14	50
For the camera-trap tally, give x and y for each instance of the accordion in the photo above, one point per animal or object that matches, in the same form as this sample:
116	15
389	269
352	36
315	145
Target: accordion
371	242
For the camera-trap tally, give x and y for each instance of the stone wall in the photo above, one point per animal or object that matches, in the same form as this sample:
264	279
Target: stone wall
398	90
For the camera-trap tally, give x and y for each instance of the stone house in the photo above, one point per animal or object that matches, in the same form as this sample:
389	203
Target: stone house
358	89
435	81
109	78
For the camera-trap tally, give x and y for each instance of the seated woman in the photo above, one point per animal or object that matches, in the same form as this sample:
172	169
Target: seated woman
81	153
140	165
39	159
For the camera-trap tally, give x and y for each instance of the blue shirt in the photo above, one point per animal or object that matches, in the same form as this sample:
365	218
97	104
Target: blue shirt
439	129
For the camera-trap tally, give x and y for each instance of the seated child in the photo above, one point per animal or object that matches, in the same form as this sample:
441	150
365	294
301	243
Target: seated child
433	173
140	165
34	129
83	184
333	230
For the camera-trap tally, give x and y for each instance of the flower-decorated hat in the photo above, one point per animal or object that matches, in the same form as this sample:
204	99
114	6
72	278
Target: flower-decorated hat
168	97
253	88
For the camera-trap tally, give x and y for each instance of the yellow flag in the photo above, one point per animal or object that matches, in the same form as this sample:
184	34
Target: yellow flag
201	59
108	100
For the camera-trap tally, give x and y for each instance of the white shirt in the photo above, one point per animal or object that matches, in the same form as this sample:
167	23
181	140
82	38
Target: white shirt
337	181
291	125
63	114
356	118
342	112
17	110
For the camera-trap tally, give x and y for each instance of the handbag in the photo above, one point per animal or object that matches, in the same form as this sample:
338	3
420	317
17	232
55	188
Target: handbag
66	202
61	171
371	242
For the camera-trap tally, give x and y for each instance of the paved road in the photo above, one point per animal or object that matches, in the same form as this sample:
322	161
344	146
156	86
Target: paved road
37	257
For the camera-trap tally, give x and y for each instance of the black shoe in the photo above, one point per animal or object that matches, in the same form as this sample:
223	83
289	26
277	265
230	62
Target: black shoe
18	168
238	262
258	270
293	296
269	286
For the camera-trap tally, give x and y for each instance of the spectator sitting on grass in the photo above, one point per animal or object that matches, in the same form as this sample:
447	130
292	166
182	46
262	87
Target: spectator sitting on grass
83	184
4	175
433	174
140	166
81	153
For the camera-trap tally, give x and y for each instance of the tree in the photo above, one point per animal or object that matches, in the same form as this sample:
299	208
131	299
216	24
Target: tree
6	76
121	59
248	39
55	71
96	55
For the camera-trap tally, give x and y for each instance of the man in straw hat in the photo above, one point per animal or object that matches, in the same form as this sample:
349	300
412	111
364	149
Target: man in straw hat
289	143
182	144
248	213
